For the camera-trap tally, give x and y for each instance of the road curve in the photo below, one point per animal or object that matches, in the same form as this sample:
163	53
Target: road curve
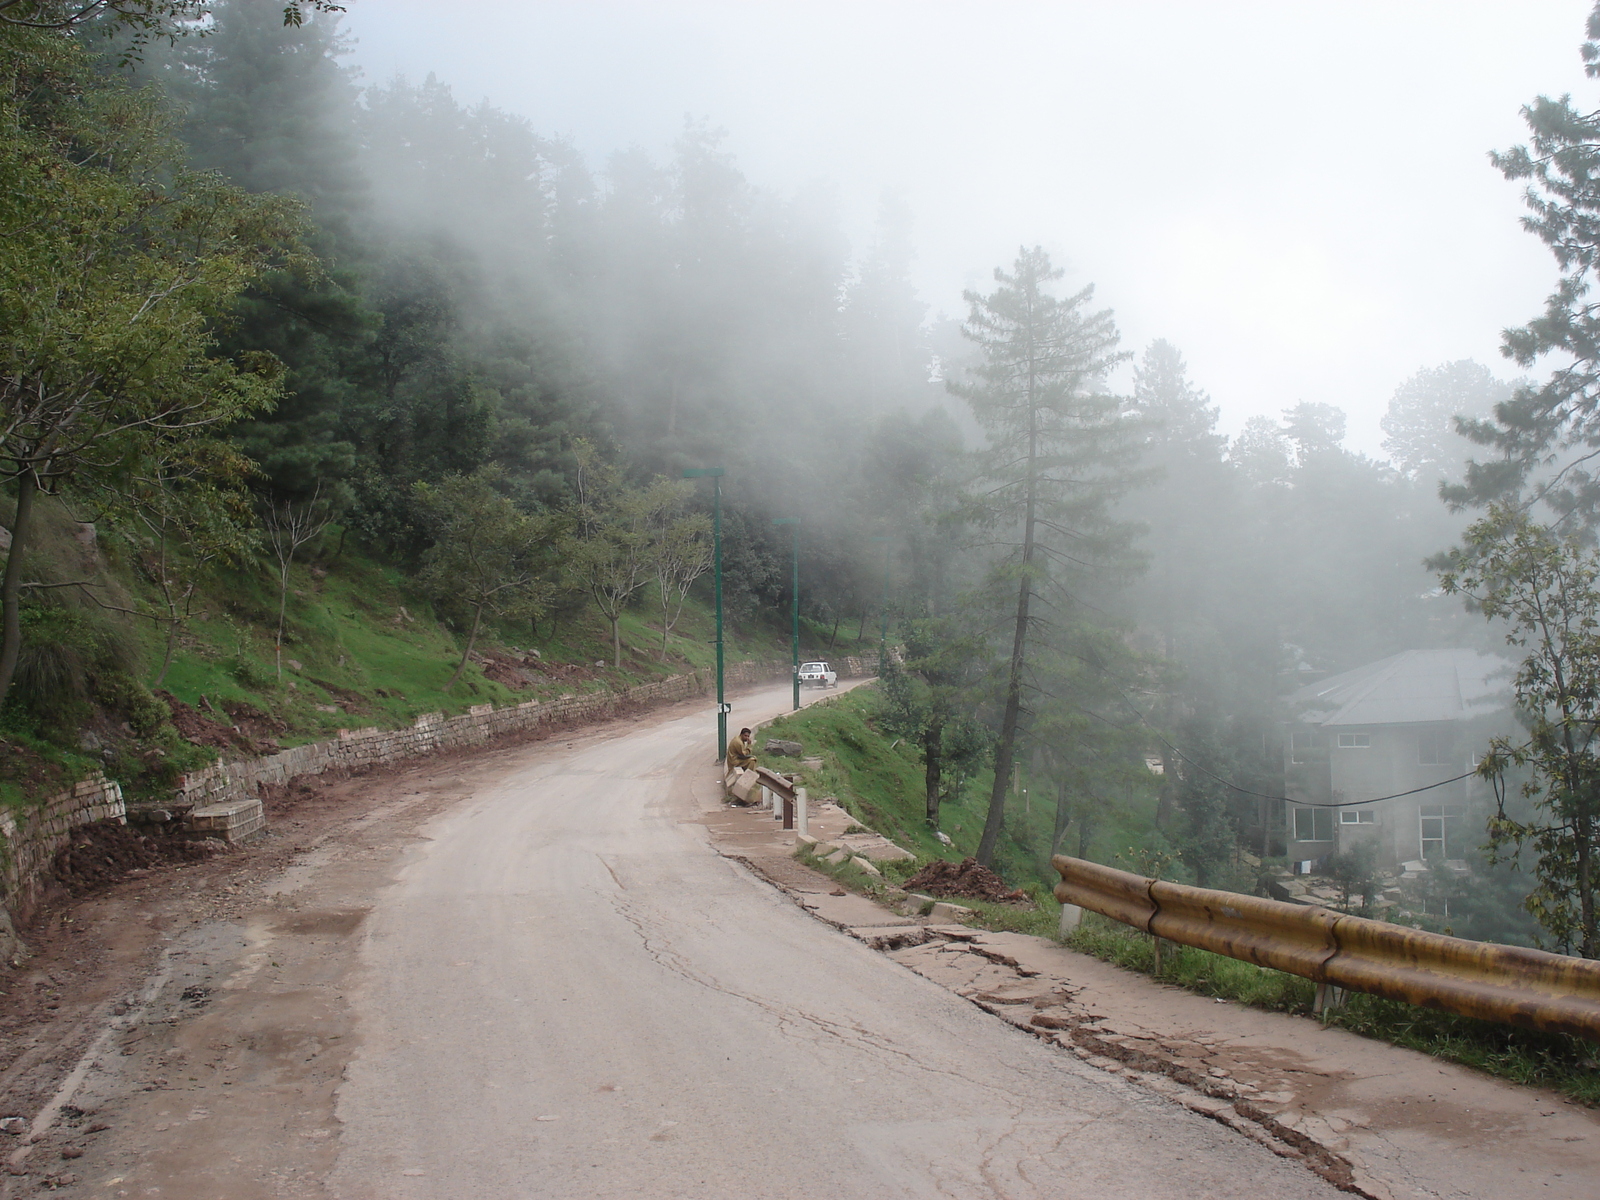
567	993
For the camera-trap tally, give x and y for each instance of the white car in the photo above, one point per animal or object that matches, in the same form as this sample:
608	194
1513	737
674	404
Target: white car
818	674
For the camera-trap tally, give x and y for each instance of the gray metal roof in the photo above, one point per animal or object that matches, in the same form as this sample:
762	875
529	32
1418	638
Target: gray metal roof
1410	688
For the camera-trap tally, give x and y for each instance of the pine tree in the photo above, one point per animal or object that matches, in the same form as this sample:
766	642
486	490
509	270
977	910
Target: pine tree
1059	454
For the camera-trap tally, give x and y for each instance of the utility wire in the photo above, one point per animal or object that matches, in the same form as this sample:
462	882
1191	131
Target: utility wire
1228	783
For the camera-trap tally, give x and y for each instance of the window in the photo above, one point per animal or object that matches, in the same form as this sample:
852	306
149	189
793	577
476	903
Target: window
1313	824
1440	828
1305	746
1355	741
1435	747
1357	816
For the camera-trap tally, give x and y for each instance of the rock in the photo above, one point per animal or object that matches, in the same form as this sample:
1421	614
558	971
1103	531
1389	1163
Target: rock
15	1126
866	865
329	708
839	855
11	951
785	748
811	764
944	837
944	911
293	664
89	743
71	1152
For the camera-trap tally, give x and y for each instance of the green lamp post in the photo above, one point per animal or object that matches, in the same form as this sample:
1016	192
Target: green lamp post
715	474
883	636
794	636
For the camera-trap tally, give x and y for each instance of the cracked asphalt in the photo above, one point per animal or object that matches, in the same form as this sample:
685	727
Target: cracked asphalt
567	992
528	973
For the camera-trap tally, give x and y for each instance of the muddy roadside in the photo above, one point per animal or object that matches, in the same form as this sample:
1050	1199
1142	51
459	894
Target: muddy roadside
1373	1119
209	991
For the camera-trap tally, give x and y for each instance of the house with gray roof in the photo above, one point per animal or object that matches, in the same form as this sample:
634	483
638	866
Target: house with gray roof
1395	725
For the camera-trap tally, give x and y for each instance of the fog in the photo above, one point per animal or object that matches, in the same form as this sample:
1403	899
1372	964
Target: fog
1297	196
1160	494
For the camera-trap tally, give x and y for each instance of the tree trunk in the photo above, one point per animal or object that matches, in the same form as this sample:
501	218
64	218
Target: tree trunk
933	757
1063	816
1584	828
166	660
472	640
1005	752
11	588
616	642
283	603
834	636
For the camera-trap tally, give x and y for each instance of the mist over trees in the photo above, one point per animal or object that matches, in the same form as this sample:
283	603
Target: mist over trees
487	360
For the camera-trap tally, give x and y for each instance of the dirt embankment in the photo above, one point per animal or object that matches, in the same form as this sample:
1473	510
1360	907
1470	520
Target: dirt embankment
966	879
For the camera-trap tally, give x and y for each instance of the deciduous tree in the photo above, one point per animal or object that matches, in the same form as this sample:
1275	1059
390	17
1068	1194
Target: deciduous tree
487	557
1546	587
114	263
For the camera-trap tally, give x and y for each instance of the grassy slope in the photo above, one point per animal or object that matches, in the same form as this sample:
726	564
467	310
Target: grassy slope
880	781
367	647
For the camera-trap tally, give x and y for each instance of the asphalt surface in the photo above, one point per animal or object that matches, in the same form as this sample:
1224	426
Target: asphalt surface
566	992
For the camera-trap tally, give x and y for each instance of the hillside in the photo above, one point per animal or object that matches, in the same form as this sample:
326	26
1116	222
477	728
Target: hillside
360	648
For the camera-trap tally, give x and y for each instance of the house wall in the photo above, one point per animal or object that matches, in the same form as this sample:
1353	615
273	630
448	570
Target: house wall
1386	765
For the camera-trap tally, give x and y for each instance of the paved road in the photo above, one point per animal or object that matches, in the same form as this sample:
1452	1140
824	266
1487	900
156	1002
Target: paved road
568	993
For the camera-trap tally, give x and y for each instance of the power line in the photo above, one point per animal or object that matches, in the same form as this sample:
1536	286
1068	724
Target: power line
1228	783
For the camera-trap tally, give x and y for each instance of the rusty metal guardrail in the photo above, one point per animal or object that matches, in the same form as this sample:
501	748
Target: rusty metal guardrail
1530	988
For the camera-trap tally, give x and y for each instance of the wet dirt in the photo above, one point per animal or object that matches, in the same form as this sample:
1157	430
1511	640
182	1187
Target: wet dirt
207	992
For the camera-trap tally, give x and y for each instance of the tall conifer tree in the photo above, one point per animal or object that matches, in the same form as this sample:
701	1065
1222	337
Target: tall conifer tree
1059	453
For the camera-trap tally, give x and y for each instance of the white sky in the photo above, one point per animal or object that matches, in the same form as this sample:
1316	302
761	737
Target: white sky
1295	194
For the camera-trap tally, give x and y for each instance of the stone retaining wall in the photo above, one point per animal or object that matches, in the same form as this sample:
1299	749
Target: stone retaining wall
29	839
433	731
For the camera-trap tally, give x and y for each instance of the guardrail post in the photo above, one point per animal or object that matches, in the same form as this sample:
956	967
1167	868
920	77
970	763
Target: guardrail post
1071	918
1330	998
801	821
788	813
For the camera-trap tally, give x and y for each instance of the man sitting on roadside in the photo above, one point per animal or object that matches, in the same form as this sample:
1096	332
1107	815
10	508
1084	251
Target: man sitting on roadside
741	753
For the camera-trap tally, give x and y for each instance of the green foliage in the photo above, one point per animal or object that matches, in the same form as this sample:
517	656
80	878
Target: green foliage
115	263
64	649
1533	430
487	555
1546	587
1355	871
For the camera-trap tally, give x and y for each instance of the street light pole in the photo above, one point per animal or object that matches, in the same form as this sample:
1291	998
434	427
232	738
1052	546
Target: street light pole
715	474
883	636
794	637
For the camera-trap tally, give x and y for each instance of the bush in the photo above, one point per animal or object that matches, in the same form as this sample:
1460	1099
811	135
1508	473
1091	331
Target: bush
64	652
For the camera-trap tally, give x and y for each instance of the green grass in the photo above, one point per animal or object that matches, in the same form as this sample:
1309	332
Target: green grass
1564	1064
879	780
